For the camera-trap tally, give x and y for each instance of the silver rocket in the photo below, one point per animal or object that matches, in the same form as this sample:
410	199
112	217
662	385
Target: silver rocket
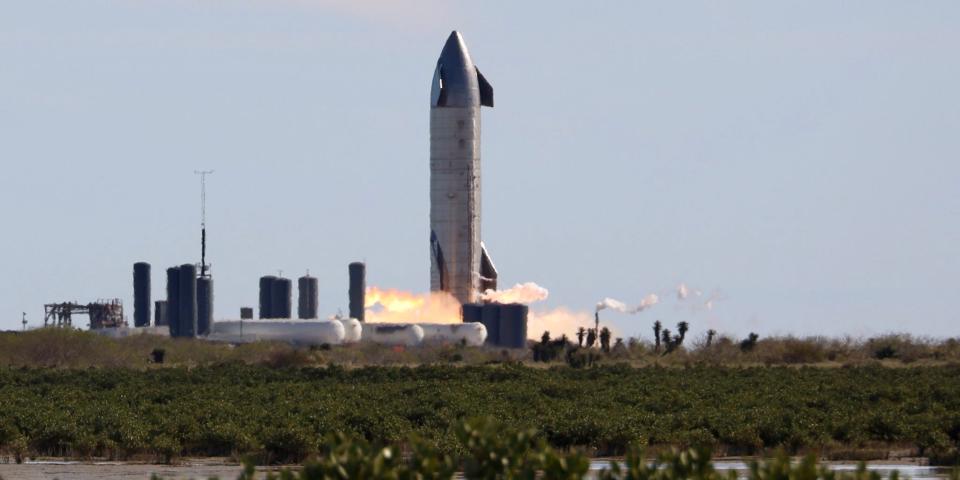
459	262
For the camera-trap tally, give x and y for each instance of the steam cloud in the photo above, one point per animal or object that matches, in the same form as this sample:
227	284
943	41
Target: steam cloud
396	306
685	293
613	304
520	293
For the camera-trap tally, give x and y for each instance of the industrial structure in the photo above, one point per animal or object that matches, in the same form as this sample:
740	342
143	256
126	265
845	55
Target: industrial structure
459	262
204	304
275	297
160	313
187	300
358	289
204	281
141	294
102	313
506	324
307	303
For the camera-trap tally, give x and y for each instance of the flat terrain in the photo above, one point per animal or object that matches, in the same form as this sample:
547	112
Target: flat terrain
119	471
197	469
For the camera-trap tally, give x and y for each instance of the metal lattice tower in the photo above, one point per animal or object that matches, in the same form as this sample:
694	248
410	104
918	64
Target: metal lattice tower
203	220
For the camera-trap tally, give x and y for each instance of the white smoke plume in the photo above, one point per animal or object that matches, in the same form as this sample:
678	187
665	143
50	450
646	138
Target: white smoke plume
613	304
694	298
395	306
713	299
525	293
558	321
684	292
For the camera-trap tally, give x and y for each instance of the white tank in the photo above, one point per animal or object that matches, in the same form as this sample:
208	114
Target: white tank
472	333
353	330
297	332
121	332
406	334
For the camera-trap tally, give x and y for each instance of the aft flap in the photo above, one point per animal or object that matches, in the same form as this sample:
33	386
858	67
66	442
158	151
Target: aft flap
488	272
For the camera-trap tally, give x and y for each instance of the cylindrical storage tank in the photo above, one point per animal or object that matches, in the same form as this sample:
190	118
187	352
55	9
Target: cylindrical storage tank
141	294
307	304
407	334
470	334
298	332
246	313
187	301
352	330
160	313
173	306
266	296
281	295
358	289
513	325
490	318
471	312
204	305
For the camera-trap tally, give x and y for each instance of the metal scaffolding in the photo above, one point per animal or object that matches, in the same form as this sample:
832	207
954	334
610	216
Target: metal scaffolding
102	313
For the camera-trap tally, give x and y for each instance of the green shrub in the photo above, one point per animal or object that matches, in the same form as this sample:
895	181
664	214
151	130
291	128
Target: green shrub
491	453
281	414
749	343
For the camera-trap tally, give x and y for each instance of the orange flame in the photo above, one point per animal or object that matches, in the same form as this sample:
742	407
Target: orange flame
393	300
396	306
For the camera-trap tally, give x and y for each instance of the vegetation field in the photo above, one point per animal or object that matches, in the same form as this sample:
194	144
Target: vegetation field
63	348
490	452
283	414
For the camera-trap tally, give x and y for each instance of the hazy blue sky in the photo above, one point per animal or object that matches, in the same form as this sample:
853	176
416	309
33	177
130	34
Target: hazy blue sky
800	159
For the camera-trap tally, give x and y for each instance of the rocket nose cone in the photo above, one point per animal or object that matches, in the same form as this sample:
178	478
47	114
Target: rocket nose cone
455	78
455	51
454	37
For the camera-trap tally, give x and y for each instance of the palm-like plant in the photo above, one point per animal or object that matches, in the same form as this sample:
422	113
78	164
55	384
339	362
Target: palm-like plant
591	337
667	337
657	326
581	333
710	334
682	329
605	339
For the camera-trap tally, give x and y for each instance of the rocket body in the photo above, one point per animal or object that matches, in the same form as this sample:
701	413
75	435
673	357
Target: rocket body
458	260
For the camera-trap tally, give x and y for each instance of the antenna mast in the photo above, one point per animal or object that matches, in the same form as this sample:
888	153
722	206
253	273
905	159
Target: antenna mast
203	220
